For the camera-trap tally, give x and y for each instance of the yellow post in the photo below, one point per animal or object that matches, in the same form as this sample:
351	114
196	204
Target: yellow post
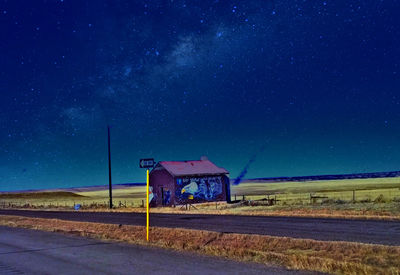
147	196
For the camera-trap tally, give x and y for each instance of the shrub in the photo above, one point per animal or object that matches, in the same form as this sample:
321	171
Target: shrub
328	201
396	199
367	200
380	199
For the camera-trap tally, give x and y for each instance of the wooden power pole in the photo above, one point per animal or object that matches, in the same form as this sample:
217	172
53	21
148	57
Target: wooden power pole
109	167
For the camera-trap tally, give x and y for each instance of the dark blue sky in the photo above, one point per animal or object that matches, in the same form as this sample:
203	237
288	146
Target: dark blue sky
315	82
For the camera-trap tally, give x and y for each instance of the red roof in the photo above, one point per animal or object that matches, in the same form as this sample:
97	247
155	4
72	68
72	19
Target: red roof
192	167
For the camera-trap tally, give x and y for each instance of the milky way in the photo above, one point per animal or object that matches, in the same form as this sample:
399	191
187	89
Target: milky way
180	79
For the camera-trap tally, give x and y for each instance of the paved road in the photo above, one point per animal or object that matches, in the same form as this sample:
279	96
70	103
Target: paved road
24	251
365	231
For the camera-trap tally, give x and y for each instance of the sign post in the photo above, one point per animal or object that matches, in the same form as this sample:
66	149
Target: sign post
147	163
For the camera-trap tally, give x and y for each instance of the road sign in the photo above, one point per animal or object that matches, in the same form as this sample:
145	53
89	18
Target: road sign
147	163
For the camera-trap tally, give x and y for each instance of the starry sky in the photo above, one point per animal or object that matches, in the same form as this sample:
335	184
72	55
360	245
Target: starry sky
310	87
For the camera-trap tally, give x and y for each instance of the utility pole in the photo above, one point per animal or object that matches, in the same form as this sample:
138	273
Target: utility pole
147	207
109	167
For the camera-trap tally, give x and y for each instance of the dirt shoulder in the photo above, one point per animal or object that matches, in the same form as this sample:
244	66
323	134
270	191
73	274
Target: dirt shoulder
301	254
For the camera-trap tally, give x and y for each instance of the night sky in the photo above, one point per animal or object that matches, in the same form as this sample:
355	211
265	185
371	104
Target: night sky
316	84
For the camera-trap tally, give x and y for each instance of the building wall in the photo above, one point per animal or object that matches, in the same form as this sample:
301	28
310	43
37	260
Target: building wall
227	186
163	188
196	189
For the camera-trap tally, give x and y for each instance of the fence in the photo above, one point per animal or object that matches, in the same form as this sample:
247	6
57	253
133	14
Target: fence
42	204
356	196
346	196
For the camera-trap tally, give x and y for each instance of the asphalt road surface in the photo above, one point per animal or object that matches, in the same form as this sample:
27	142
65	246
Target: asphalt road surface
24	251
364	231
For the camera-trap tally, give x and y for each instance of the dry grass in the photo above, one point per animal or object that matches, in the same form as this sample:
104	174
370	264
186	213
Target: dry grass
303	254
41	195
327	213
127	193
325	186
222	208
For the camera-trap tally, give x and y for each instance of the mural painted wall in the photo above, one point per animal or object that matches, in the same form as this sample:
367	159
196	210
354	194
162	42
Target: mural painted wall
162	186
165	196
199	189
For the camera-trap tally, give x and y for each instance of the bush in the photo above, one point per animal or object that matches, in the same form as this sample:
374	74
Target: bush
396	199
380	199
367	200
328	201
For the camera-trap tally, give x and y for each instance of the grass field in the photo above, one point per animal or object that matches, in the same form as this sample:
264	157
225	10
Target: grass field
379	197
365	189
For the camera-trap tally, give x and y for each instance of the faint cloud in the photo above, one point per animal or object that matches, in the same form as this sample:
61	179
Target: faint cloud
75	113
108	92
79	117
184	54
127	70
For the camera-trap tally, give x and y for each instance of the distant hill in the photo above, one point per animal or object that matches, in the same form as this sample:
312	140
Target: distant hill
103	187
391	174
39	195
78	189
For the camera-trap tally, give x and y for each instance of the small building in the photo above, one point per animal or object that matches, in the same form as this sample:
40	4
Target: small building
184	182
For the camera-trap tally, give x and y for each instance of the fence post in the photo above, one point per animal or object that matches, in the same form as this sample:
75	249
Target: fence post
354	196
